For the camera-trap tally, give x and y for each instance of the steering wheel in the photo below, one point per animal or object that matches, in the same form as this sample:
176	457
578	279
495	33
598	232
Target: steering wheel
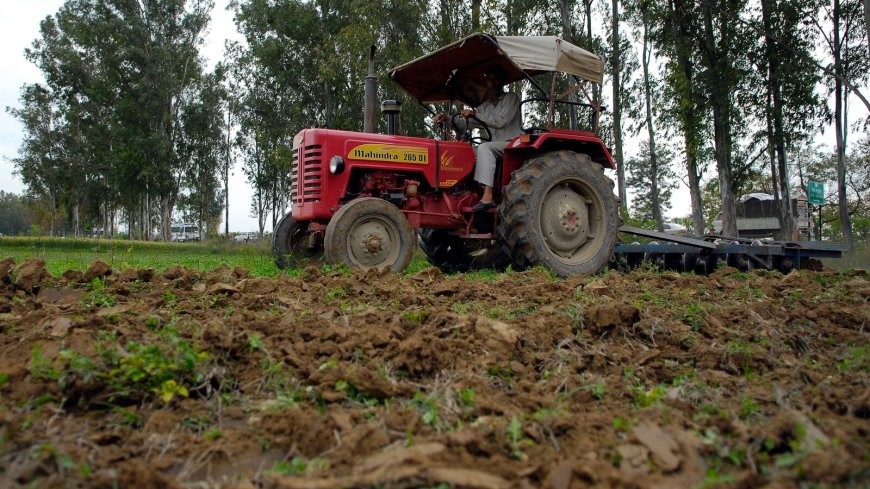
466	135
443	131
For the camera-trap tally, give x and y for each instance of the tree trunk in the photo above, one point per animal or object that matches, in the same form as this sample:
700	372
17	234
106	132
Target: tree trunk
227	172
771	153
596	90
76	219
53	230
687	114
840	122
475	15
786	217
867	21
650	127
616	68
565	10
719	100
166	205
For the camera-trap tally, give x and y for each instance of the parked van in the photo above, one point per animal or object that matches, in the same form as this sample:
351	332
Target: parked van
183	232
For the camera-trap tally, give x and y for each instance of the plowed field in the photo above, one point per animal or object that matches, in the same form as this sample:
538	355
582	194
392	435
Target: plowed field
334	379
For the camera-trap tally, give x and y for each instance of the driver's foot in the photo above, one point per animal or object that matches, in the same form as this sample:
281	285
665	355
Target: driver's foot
483	206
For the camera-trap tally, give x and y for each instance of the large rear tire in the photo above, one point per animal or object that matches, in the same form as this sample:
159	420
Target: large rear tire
559	211
370	233
453	254
292	246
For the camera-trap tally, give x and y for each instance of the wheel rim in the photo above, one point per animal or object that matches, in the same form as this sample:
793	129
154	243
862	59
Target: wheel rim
373	241
572	221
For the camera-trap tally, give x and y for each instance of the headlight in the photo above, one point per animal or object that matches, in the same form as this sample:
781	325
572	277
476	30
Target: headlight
336	165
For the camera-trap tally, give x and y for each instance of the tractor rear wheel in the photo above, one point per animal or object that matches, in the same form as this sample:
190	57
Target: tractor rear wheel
370	233
559	211
453	254
292	244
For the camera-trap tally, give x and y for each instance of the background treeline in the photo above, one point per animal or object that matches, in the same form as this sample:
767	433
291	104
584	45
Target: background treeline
726	96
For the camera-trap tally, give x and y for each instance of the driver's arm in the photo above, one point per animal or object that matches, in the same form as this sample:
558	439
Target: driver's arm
501	115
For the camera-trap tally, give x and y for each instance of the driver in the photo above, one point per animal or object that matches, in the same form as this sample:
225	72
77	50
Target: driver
500	111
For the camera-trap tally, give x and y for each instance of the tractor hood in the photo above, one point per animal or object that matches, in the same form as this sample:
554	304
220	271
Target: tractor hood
455	71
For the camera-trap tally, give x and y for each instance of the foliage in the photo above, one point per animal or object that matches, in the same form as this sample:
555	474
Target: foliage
640	178
112	128
14	218
166	368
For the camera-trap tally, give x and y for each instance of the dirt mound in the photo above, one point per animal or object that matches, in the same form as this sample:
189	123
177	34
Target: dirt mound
363	380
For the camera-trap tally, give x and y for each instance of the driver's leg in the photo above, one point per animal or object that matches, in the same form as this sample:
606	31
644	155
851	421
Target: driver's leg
484	170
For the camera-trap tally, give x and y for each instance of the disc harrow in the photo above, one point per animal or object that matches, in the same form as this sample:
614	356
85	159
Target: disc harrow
704	256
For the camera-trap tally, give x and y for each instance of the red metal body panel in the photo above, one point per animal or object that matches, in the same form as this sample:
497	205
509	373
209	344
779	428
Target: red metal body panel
316	192
440	167
584	142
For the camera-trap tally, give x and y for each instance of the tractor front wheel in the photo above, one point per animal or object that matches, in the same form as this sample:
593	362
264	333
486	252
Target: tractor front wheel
293	245
370	233
559	211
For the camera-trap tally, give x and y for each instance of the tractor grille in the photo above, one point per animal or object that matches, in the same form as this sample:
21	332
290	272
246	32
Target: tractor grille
307	174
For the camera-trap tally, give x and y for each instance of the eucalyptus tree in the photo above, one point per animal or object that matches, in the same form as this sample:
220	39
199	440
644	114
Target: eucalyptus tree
680	27
203	149
848	68
642	17
722	45
38	162
618	54
784	97
120	72
653	186
15	216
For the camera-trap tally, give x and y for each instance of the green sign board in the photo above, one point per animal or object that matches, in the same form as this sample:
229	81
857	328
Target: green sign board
817	193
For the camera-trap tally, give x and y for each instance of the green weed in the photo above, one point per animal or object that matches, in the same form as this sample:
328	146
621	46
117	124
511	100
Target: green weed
466	398
335	293
212	434
694	316
856	358
514	433
97	296
415	317
299	466
429	411
748	407
599	390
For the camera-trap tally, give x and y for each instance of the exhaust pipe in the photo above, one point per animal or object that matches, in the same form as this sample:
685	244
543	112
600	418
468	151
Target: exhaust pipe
370	121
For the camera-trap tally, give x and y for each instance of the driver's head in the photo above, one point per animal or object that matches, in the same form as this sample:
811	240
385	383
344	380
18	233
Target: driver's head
495	75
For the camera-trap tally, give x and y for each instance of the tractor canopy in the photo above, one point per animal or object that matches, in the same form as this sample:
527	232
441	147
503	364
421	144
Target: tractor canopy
455	72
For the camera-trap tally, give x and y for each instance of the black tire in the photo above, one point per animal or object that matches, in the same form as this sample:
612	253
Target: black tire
290	244
370	233
559	211
453	254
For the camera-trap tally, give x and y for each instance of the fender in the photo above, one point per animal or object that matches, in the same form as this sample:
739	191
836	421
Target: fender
527	146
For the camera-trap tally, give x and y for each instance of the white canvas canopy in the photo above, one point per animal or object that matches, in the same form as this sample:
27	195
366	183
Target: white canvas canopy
455	71
550	53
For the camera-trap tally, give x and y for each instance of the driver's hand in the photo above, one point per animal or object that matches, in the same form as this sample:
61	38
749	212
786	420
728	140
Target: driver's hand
439	118
467	113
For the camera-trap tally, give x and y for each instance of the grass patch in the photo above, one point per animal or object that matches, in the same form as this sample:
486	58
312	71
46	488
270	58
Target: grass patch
62	254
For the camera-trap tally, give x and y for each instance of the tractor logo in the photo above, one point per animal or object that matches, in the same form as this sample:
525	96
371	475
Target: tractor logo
447	163
390	152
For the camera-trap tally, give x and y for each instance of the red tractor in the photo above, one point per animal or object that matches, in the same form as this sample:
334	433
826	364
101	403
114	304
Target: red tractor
365	199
